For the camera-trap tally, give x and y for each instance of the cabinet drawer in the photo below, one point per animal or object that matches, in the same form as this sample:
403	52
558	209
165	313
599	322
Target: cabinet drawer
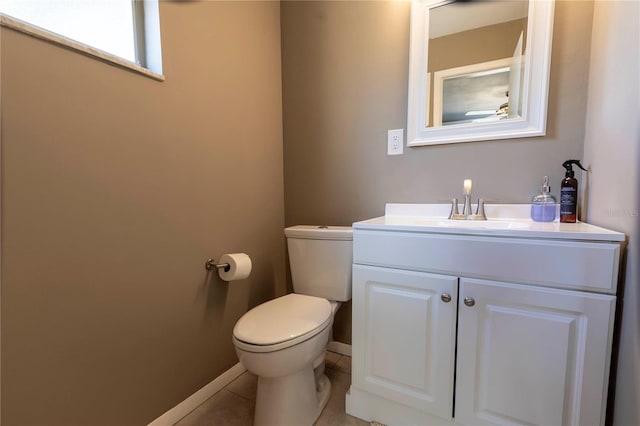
591	266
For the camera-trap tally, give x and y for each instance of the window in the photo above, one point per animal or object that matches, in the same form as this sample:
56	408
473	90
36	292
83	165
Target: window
128	29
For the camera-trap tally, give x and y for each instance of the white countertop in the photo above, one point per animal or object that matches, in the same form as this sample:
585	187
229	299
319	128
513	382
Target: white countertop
504	220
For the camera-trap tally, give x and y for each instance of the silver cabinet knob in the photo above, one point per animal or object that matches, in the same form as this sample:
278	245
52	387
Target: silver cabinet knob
469	301
446	297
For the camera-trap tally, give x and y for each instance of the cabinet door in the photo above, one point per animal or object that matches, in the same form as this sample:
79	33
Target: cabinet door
531	355
404	336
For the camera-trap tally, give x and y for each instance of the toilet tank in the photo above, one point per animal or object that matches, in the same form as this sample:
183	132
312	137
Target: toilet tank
320	259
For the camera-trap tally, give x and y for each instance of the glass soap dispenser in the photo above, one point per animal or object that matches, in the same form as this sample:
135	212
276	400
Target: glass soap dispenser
544	205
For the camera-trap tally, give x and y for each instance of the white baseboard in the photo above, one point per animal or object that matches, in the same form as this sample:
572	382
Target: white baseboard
175	414
339	348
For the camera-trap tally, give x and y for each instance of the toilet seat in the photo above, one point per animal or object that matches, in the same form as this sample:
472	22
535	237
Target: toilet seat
282	322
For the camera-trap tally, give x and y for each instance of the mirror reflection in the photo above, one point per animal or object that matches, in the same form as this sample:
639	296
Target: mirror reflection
475	62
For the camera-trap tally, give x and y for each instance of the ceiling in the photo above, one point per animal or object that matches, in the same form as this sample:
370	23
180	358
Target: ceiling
455	17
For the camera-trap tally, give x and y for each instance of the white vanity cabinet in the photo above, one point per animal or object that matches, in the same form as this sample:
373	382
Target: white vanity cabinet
455	327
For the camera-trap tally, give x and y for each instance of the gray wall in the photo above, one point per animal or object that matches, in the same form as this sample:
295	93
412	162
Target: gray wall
344	85
345	76
612	152
115	189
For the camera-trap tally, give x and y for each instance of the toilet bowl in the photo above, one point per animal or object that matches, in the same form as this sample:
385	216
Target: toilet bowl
283	341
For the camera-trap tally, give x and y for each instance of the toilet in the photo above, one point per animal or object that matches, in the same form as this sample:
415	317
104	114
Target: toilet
283	341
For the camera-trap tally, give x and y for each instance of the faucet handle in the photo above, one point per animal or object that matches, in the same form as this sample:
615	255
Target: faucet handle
454	209
480	210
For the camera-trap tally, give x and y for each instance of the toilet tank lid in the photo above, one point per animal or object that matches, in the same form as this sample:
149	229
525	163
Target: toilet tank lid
319	232
283	319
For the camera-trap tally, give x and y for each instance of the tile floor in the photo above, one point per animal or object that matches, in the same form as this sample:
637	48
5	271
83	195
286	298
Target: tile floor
233	406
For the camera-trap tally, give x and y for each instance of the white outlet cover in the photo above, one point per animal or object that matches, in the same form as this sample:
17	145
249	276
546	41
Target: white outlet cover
395	141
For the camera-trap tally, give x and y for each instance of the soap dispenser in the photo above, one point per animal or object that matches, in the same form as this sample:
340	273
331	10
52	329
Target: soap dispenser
543	205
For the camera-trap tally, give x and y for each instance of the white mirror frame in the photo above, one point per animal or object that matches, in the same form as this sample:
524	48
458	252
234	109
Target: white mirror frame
535	89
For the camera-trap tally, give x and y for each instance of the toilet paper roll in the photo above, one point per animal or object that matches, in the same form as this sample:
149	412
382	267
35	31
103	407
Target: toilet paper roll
239	266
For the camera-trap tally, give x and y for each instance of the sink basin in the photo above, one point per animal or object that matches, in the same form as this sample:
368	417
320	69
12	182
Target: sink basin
473	224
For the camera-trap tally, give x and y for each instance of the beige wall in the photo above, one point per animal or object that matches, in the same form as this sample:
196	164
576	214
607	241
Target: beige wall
345	71
475	46
111	188
115	190
612	152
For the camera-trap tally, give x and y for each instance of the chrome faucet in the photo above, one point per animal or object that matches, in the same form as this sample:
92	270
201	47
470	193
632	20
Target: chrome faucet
466	209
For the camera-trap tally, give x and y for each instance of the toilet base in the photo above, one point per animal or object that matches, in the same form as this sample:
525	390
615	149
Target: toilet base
323	393
295	399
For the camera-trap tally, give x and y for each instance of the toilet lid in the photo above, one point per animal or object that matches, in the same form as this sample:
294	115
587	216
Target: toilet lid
282	319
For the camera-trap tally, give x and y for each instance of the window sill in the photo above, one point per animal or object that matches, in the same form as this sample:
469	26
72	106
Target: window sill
37	32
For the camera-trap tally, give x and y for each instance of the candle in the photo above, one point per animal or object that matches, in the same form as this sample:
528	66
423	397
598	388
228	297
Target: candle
467	186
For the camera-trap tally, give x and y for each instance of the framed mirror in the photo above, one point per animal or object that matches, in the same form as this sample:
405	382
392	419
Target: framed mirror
478	70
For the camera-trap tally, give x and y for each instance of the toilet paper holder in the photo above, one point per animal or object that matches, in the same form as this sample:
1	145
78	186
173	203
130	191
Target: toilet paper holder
211	264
